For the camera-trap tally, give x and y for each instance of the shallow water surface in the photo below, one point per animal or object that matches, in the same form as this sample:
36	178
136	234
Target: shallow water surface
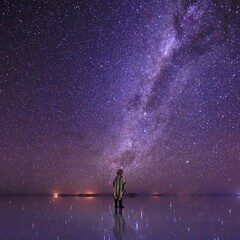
152	218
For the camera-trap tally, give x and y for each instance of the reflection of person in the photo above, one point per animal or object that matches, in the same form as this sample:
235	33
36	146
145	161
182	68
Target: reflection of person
118	188
119	224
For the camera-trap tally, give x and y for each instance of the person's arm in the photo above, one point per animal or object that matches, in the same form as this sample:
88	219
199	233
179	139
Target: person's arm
114	182
124	187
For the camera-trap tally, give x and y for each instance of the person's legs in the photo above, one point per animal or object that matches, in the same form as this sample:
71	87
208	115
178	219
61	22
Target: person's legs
120	203
116	203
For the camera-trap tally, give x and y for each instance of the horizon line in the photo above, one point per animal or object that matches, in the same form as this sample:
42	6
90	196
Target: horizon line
126	194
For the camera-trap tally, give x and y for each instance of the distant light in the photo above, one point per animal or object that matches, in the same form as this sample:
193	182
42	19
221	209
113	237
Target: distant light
89	192
55	195
89	198
145	114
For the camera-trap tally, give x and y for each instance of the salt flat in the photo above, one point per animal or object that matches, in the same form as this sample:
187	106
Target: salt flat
142	218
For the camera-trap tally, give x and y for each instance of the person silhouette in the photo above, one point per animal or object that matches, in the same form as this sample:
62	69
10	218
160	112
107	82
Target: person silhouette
119	189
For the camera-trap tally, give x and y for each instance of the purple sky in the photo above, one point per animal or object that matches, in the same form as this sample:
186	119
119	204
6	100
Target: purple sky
149	86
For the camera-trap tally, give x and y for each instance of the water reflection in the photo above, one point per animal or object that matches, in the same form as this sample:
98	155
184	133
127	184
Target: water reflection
142	218
119	224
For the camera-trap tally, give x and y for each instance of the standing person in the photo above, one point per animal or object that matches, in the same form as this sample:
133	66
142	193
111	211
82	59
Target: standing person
118	188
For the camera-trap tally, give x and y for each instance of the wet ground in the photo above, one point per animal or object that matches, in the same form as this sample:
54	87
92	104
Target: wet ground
151	218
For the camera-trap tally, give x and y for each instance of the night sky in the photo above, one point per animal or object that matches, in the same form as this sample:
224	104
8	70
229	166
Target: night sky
87	87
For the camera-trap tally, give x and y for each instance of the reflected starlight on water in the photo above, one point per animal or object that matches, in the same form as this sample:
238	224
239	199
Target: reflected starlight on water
142	218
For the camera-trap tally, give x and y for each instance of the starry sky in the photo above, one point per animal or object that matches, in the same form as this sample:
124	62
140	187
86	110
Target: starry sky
87	87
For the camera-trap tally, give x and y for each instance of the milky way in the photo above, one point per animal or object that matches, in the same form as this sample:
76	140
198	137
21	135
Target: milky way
149	86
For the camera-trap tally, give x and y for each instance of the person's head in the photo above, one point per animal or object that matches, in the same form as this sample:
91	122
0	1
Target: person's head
119	172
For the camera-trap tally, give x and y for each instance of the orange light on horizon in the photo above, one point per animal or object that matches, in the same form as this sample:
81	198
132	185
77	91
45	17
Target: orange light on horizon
89	192
89	197
55	195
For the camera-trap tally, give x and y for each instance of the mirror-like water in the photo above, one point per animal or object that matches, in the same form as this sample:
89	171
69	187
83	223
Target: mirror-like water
152	218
